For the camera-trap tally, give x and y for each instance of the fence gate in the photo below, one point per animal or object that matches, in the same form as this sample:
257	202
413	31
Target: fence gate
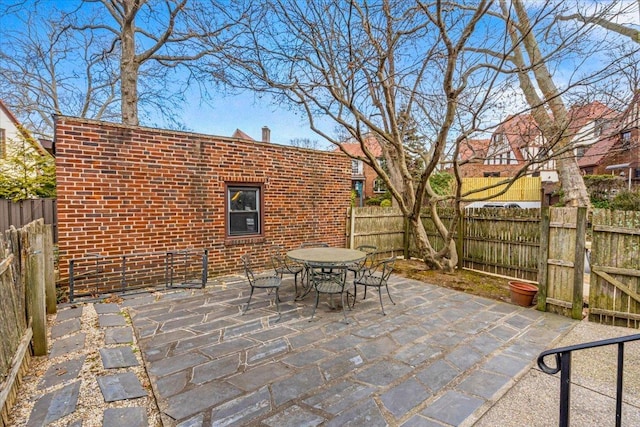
614	289
561	272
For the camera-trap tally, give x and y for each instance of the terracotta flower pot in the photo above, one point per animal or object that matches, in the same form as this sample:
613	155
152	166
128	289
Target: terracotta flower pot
522	293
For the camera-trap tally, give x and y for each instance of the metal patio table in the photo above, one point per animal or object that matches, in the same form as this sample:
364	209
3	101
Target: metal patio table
326	257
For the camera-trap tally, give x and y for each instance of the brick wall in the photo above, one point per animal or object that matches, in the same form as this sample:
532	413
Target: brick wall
124	189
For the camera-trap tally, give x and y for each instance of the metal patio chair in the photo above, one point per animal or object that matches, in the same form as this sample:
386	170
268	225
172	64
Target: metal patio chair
368	262
262	281
282	265
375	277
331	283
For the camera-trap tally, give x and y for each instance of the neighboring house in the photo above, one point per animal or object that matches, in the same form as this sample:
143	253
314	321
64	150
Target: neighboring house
13	134
364	179
15	139
519	140
266	135
617	151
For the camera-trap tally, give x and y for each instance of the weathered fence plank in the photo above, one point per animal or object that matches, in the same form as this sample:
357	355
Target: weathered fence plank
615	268
35	285
19	214
543	266
564	262
22	254
49	270
502	241
379	227
499	241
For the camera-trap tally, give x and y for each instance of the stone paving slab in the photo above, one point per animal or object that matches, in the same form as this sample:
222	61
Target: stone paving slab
68	313
54	405
67	345
108	320
120	386
118	335
61	372
130	417
66	327
439	357
118	357
105	308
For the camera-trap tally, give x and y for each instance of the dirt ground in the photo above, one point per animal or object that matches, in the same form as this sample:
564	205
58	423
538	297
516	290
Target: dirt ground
462	280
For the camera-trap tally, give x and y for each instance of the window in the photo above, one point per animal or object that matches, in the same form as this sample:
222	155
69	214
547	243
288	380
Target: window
491	174
598	127
243	210
379	186
626	139
356	167
3	144
580	151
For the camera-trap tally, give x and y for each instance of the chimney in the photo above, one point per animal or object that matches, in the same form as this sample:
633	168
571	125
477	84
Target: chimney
266	134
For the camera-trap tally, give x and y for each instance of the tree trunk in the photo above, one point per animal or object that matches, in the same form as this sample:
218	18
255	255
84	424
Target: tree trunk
445	259
574	189
129	74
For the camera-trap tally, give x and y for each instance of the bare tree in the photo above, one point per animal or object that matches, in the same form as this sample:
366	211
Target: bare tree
608	16
422	77
313	144
102	57
45	70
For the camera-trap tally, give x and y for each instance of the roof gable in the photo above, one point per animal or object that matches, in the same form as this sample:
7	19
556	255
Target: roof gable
22	130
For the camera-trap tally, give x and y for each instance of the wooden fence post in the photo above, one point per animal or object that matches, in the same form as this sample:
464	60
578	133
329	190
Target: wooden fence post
578	264
545	227
352	228
460	240
49	271
406	239
35	288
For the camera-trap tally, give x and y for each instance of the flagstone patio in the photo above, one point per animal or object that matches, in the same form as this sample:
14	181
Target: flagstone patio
438	358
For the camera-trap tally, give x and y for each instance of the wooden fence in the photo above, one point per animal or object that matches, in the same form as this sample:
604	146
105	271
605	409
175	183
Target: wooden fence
545	246
502	241
614	296
499	241
524	189
19	214
562	253
27	294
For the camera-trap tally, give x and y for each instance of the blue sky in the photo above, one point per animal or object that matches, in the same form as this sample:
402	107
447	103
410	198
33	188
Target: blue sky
249	114
225	114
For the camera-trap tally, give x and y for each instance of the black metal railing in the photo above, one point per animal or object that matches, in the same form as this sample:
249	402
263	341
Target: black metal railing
97	275
563	365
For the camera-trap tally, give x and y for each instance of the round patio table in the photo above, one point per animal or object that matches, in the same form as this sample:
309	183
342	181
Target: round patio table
324	257
330	257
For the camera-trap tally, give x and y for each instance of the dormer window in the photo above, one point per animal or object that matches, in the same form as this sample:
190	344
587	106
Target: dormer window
598	127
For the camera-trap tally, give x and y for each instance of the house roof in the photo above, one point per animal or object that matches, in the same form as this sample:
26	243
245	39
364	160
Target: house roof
474	149
581	115
241	135
23	131
596	152
522	131
355	149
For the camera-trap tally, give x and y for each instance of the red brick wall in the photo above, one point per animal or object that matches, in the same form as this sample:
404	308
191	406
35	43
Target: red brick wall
124	189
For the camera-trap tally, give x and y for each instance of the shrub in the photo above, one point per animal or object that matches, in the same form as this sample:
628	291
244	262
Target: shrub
626	200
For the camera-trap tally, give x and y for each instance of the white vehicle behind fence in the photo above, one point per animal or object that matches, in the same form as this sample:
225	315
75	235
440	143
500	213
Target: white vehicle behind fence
515	204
